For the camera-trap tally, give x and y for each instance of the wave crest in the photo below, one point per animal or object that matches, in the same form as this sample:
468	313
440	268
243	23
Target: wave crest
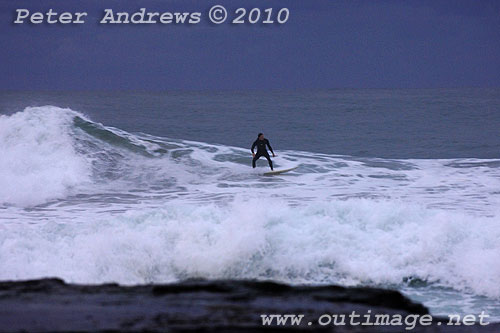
39	161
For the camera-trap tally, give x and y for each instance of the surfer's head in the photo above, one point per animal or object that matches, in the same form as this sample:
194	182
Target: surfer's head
260	136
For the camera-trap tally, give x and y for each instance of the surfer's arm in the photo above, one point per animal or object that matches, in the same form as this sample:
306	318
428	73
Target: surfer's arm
270	148
253	147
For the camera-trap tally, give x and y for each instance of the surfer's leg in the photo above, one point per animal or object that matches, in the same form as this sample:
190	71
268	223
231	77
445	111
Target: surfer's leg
269	160
257	156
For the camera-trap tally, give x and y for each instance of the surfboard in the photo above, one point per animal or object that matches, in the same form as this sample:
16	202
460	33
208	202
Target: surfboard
277	172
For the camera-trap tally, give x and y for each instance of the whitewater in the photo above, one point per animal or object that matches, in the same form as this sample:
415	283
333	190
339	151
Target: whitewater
91	203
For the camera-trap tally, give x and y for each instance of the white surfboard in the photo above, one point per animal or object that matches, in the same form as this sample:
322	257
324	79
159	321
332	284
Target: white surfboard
277	172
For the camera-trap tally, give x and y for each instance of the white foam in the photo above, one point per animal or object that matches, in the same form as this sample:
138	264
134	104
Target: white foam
38	160
357	241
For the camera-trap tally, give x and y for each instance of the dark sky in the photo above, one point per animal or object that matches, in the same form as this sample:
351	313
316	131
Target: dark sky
325	44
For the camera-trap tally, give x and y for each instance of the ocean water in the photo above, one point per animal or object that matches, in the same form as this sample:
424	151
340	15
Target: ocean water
397	189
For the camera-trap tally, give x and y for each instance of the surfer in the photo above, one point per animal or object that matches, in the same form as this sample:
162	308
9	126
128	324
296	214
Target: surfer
261	144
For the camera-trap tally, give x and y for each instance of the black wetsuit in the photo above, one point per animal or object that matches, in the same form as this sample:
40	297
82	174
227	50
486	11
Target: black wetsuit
262	151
